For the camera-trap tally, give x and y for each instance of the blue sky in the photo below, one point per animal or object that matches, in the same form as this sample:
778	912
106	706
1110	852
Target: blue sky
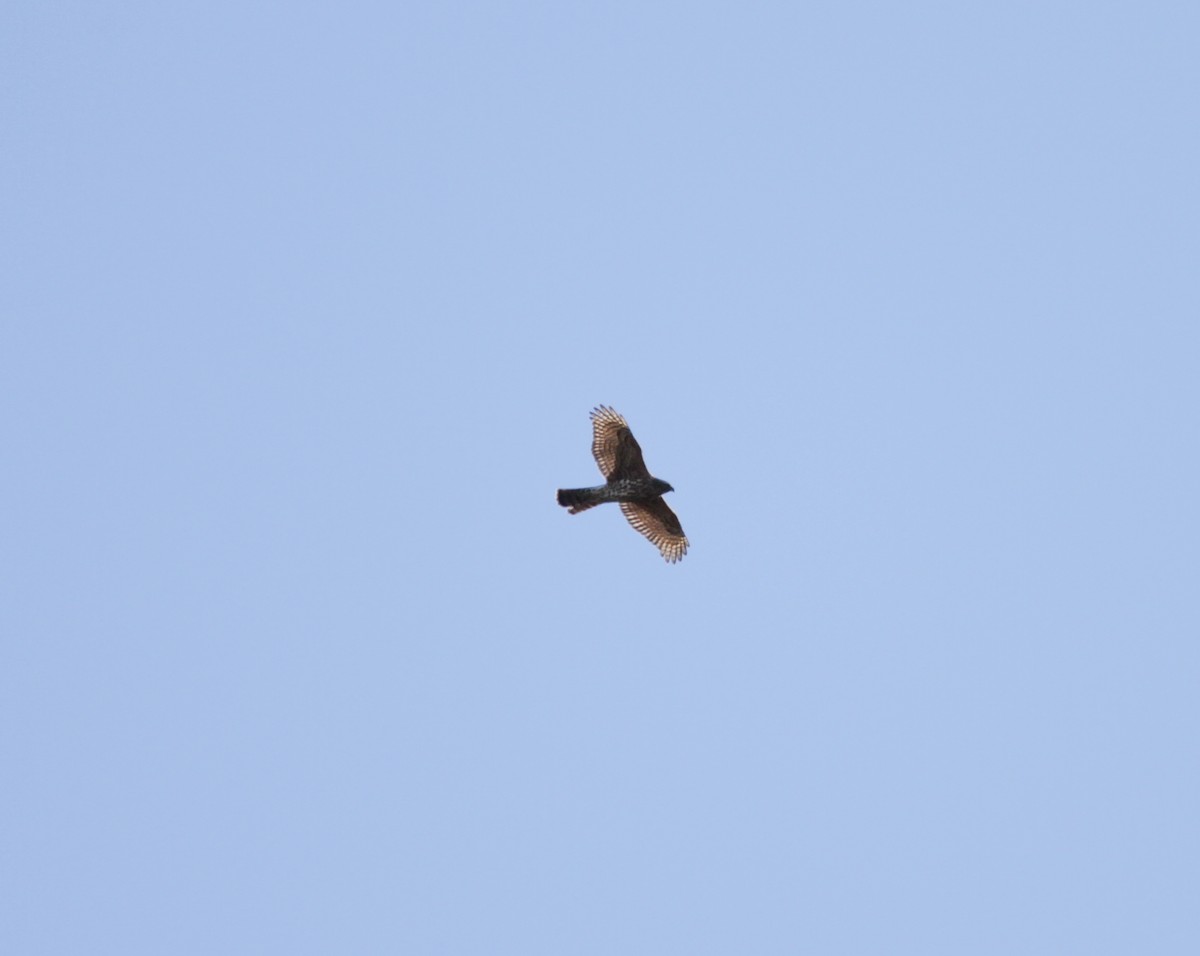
303	311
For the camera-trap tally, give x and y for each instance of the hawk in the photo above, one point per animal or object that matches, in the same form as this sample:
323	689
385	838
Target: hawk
630	483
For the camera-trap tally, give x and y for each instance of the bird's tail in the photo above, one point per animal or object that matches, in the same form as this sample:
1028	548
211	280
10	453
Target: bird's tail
579	499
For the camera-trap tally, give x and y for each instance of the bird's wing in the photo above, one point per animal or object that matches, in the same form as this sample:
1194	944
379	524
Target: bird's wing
658	523
615	449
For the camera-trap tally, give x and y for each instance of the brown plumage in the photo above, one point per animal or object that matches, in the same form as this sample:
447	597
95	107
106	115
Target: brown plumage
629	482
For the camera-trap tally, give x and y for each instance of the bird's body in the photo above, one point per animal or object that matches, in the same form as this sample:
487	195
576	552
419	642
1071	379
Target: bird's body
630	483
623	489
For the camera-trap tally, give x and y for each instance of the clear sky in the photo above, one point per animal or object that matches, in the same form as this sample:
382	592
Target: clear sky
303	309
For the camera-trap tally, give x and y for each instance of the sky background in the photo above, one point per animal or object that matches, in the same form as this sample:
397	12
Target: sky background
303	309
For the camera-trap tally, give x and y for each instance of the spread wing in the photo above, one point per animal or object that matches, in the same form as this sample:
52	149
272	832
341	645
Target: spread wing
658	523
615	449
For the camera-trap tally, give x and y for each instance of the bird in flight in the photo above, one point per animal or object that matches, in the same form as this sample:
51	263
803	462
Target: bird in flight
629	482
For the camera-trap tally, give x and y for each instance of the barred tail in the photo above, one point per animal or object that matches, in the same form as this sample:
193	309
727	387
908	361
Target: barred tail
579	499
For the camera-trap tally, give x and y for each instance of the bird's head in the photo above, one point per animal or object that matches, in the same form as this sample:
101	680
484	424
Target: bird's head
661	486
